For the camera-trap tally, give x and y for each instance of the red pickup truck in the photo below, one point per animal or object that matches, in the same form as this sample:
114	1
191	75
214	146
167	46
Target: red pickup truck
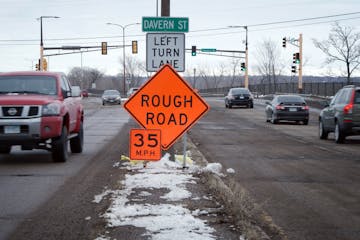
40	110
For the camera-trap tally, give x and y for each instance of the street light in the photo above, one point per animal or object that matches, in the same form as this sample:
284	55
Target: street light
41	40
123	30
246	55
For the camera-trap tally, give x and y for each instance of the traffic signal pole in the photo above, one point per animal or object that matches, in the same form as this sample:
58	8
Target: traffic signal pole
246	59
300	83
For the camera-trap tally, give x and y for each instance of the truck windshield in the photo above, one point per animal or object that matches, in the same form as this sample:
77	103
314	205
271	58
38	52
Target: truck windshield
44	85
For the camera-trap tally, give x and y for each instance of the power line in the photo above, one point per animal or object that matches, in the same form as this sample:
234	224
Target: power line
200	30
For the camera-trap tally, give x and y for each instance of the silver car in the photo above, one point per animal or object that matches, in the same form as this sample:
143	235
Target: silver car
341	115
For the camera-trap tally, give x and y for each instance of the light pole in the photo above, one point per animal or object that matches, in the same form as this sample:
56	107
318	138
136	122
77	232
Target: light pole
41	40
123	35
246	55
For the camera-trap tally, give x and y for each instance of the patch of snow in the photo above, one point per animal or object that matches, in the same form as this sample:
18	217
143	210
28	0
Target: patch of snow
161	221
230	170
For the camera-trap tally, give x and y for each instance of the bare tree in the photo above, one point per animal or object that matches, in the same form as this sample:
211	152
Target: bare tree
269	64
84	77
343	45
234	71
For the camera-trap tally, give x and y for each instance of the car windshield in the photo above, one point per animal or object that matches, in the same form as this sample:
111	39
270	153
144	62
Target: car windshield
237	91
111	92
290	99
44	85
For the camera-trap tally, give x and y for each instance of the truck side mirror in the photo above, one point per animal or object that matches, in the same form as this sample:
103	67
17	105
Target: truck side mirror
75	91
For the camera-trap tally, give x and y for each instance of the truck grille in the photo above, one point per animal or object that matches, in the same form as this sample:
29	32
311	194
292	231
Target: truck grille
19	111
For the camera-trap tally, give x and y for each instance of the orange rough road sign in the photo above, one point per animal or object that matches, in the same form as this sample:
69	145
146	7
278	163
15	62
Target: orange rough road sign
166	102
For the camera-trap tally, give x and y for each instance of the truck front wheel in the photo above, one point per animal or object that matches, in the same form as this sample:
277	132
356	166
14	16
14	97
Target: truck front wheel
5	149
76	143
60	147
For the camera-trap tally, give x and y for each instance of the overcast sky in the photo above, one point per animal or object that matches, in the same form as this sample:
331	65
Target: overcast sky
83	22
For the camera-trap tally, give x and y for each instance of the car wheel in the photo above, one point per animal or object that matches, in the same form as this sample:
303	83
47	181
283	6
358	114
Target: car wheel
323	134
251	105
273	119
230	105
60	147
306	121
5	149
77	143
339	134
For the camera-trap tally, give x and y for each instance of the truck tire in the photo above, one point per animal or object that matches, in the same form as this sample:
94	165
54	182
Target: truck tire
60	147
76	143
5	149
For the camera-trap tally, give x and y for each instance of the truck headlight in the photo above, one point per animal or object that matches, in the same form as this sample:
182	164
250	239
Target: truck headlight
51	109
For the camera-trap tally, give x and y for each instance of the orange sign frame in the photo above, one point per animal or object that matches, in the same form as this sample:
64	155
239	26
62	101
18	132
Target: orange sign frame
166	102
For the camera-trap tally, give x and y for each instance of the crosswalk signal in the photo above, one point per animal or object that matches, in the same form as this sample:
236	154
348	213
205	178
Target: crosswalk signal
243	68
104	48
193	50
134	47
284	42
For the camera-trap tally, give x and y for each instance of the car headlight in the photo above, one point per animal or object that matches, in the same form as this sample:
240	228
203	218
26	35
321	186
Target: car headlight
118	98
51	109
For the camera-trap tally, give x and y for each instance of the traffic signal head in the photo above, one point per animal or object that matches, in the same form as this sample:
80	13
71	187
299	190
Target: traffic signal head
45	65
104	48
134	47
193	50
296	58
243	67
284	42
293	68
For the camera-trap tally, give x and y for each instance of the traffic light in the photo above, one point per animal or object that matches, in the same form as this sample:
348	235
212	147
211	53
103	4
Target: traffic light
134	47
284	42
293	68
37	66
103	48
296	58
193	50
243	67
44	64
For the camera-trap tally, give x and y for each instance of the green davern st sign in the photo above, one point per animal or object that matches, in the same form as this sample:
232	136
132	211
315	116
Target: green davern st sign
165	24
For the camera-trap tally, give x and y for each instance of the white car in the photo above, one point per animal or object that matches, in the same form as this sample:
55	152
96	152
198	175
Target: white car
132	91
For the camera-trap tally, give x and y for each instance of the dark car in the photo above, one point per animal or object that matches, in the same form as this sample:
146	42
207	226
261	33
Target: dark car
111	96
239	97
287	107
341	115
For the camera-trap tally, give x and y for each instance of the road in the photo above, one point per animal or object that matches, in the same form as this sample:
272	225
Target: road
29	178
310	187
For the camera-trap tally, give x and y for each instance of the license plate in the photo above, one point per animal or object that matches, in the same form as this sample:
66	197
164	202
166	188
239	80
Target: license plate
11	129
292	109
241	97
